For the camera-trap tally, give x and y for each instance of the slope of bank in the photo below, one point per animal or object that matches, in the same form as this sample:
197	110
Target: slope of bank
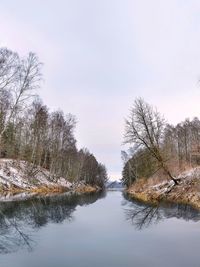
21	178
187	191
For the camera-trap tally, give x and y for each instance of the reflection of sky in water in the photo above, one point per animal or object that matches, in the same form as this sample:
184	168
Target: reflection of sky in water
111	232
19	220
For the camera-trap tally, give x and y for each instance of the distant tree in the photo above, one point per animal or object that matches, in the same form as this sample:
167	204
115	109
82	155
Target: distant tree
102	176
140	164
129	172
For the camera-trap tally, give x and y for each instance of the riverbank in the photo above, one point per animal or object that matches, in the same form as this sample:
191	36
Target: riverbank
21	178
186	192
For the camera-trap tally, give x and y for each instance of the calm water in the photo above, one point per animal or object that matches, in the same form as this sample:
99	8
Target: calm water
98	230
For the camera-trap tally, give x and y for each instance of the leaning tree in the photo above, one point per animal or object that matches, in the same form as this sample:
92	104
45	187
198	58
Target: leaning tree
145	128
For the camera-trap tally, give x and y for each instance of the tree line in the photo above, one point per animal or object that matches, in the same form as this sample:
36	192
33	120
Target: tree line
30	132
156	146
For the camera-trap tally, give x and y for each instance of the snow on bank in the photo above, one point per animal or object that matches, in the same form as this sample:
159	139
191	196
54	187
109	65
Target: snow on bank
183	178
187	190
24	176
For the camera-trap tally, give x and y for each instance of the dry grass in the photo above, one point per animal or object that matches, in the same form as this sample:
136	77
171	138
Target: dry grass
86	189
13	190
43	190
50	189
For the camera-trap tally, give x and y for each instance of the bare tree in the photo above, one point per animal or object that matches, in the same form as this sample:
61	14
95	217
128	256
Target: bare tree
145	127
18	80
28	131
9	68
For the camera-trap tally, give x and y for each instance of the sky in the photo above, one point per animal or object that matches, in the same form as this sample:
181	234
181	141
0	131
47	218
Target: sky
99	55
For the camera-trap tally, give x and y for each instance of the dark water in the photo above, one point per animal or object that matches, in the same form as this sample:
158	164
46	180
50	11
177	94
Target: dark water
97	230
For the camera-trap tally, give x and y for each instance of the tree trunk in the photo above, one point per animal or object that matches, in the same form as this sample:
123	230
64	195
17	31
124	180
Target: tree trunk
169	174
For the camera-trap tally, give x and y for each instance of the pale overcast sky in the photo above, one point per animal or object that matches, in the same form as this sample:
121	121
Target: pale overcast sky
99	55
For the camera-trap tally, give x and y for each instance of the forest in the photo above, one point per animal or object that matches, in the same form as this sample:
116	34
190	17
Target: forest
29	131
157	148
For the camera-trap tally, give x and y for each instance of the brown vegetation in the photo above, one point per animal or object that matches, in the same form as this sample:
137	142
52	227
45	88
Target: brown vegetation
87	189
186	192
49	189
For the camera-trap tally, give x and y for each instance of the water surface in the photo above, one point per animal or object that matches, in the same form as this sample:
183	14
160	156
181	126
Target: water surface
97	230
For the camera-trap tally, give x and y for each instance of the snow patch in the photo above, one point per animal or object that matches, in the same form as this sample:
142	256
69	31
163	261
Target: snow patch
25	176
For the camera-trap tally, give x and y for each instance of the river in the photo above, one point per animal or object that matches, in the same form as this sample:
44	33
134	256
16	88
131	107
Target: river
101	230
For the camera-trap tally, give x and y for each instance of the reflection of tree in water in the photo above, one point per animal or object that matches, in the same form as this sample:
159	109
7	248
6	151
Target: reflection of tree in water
13	234
143	215
19	220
